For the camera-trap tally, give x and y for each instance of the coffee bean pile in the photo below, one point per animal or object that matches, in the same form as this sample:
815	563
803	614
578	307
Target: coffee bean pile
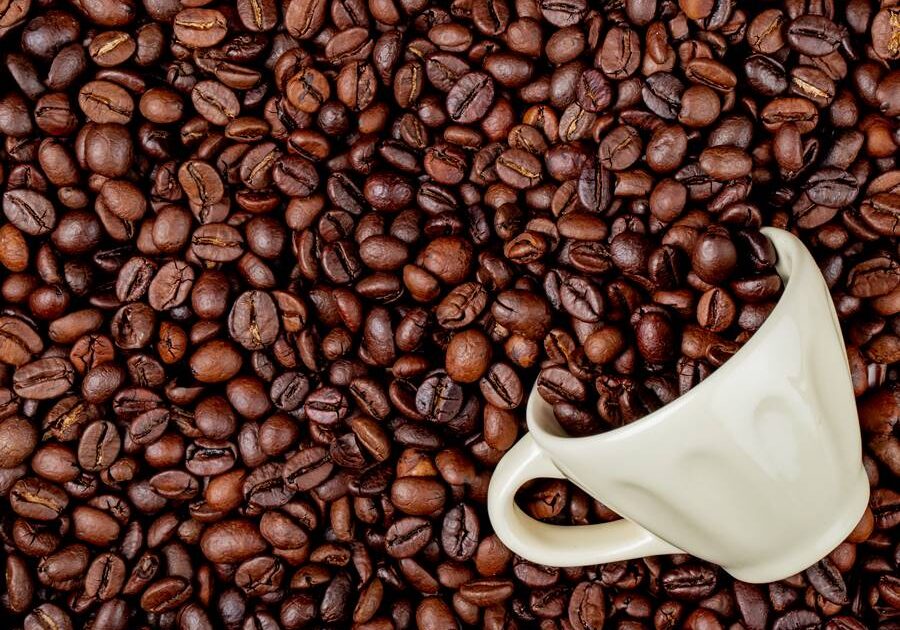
636	354
277	277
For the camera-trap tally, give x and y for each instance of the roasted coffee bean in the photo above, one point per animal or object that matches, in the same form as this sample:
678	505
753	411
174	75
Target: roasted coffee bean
308	90
523	312
99	446
832	187
800	619
714	257
295	176
307	469
231	541
518	168
470	97
587	606
43	378
19	341
166	594
29	210
265	487
37	499
800	111
813	35
215	102
407	537
458	308
765	75
828	582
170	286
501	386
689	582
48	615
620	54
662	94
199	28
418	496
105	101
217	242
306	18
468	356
253	320
460	533
262	16
620	149
439	398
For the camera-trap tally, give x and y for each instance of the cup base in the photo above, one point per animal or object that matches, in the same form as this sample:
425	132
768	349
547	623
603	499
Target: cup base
796	560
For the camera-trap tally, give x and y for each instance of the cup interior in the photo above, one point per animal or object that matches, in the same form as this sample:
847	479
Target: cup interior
792	258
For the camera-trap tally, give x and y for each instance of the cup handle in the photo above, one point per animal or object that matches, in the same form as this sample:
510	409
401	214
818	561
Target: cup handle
558	545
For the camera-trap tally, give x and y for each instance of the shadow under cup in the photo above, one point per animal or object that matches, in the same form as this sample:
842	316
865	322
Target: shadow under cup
758	468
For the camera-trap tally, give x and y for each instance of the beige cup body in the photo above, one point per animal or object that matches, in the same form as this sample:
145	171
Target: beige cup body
759	468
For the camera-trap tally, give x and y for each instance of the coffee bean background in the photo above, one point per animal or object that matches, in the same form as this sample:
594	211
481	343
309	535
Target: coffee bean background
277	277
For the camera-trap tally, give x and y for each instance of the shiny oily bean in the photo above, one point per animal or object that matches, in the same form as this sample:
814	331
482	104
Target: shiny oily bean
43	378
200	28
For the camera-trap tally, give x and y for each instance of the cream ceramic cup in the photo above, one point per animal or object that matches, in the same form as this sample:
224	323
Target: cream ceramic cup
757	469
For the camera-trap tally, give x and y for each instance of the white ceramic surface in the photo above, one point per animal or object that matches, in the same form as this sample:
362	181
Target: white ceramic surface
758	468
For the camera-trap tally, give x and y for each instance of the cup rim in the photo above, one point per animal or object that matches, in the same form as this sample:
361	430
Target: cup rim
790	252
